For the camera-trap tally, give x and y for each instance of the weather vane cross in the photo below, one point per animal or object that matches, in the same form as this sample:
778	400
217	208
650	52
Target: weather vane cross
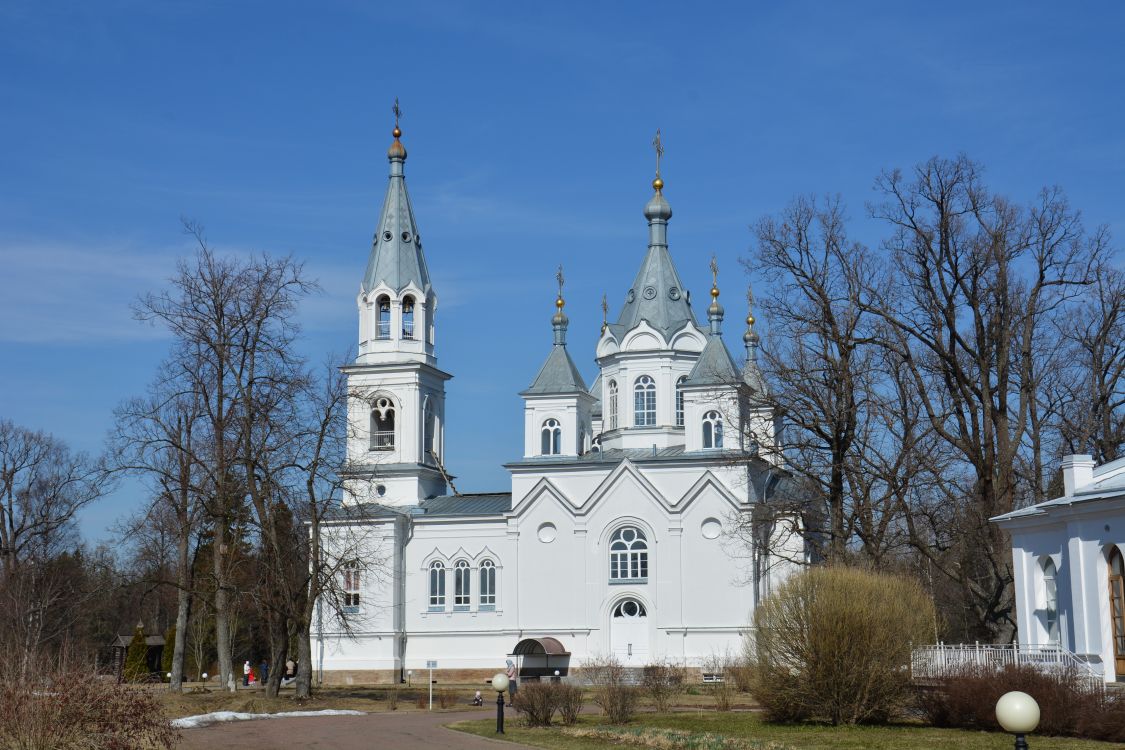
397	110
658	144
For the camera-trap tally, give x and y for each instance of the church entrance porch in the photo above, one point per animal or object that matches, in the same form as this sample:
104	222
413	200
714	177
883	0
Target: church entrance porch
541	657
629	633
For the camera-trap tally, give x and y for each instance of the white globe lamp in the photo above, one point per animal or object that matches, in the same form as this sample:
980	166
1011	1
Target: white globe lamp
1018	713
500	683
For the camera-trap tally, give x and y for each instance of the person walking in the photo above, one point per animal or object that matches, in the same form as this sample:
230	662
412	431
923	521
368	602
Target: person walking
512	682
264	671
246	674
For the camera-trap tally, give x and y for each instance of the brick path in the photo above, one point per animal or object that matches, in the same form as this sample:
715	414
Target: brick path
413	730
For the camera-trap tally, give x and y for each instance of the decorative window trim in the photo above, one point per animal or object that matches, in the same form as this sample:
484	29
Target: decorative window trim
612	404
383	317
462	586
353	588
644	401
550	440
486	591
712	430
437	586
628	556
680	401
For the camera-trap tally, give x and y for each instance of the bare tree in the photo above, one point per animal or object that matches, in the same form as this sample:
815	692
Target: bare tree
977	279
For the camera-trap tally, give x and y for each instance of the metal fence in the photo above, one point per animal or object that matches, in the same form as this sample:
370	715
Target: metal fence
942	661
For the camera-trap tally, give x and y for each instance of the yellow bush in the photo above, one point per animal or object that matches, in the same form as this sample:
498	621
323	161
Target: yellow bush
835	643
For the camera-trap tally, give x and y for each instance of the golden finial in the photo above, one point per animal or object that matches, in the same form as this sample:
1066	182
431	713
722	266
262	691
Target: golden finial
559	278
658	144
398	113
714	277
605	314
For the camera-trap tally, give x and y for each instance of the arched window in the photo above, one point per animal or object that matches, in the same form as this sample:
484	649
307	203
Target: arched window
613	404
408	317
1051	600
461	584
487	584
429	446
1117	606
437	585
680	401
551	442
383	425
630	608
351	587
712	430
628	555
644	402
383	327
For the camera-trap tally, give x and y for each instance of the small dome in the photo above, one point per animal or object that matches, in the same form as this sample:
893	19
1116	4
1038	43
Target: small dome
715	310
750	337
397	150
658	208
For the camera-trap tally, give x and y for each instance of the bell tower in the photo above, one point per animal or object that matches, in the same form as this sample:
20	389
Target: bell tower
396	393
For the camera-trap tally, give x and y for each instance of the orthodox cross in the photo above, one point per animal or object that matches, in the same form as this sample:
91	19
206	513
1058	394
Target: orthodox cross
559	278
749	298
659	146
397	110
714	271
605	313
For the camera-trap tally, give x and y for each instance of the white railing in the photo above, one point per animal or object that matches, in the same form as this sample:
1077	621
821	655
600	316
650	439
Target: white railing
946	660
383	440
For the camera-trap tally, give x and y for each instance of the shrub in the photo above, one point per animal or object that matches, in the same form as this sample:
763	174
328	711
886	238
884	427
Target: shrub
612	692
65	711
136	657
570	702
392	699
422	701
722	688
1068	706
835	643
537	703
662	681
445	698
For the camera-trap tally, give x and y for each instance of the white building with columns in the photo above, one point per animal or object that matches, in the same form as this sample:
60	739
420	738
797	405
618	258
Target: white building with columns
615	536
1069	571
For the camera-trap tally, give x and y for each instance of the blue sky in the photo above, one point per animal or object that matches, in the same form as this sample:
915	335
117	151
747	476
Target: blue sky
528	127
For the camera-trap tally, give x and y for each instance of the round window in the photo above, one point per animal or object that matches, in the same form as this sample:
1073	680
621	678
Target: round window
387	236
674	293
650	292
380	490
629	609
406	236
547	532
711	528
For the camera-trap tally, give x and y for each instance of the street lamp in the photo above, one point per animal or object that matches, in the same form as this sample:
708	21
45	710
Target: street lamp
556	676
1018	713
500	684
409	676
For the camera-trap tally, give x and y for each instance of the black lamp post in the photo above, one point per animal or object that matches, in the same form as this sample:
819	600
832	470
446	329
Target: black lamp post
500	684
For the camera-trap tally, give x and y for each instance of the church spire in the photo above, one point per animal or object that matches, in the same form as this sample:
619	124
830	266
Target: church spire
657	295
396	258
751	337
715	311
560	322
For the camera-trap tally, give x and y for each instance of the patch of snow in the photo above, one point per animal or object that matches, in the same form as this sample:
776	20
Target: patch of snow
216	717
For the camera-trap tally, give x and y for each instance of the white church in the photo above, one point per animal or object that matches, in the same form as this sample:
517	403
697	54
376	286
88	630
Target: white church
615	535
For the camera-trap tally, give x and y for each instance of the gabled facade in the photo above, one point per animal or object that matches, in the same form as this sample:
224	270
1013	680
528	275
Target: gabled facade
629	523
1069	569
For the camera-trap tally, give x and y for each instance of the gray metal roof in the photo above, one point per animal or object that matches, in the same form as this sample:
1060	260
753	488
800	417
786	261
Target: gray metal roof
396	251
715	365
657	296
557	375
479	504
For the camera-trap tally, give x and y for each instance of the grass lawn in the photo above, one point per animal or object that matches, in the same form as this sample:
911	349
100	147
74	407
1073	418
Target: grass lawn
747	730
372	699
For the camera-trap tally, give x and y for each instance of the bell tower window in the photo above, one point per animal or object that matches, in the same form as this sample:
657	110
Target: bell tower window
644	402
613	404
712	430
383	322
680	401
408	317
429	444
552	438
383	425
